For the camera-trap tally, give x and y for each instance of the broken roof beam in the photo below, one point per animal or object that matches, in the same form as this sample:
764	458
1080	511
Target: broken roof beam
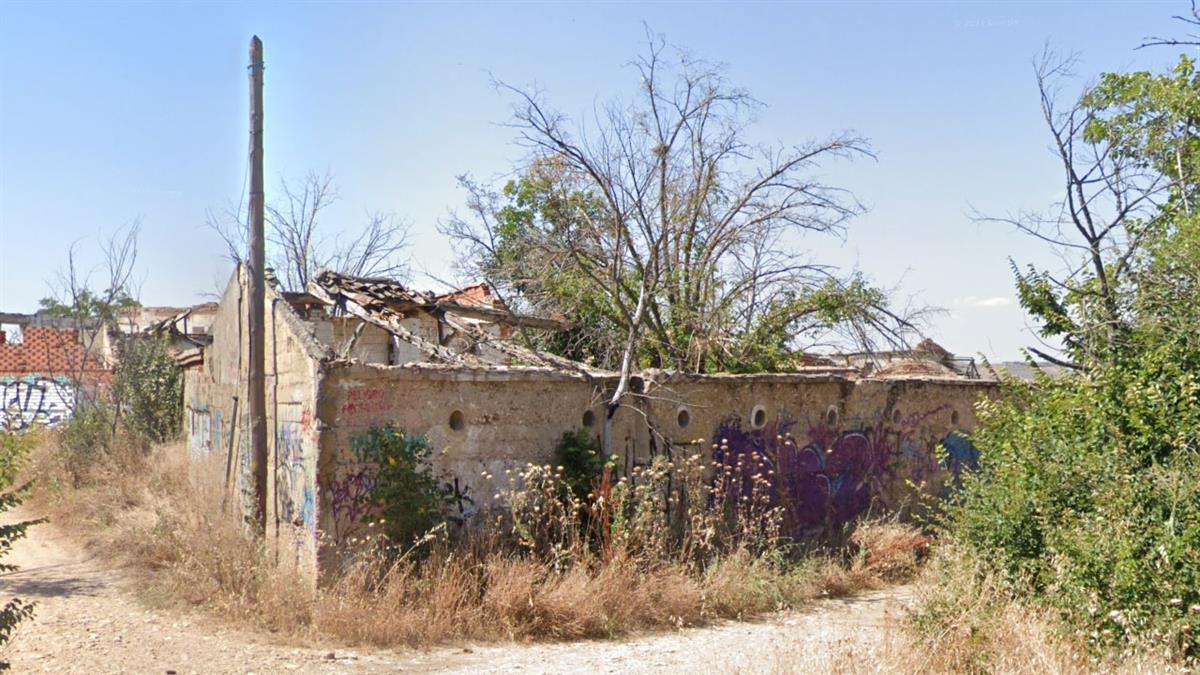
168	325
389	320
500	316
369	292
516	351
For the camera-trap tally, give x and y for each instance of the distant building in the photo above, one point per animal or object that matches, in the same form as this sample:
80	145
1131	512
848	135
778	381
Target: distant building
927	358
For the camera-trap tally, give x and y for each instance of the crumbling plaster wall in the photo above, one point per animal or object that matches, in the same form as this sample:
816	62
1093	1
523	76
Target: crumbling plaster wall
849	446
217	419
503	418
838	448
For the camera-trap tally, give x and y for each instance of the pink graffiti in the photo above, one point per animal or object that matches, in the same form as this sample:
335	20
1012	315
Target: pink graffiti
365	401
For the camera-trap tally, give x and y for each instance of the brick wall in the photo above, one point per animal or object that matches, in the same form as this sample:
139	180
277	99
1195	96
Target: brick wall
49	352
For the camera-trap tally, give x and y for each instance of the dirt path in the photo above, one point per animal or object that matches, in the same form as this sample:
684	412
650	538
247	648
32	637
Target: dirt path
88	621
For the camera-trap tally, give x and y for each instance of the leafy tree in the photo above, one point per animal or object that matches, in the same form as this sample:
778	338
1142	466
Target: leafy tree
148	389
666	237
1088	492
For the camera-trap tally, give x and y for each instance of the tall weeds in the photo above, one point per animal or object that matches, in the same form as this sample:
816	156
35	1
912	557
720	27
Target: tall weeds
664	548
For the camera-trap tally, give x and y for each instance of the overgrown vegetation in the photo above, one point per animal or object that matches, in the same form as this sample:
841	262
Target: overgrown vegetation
409	497
580	456
1086	505
142	406
965	620
546	565
148	389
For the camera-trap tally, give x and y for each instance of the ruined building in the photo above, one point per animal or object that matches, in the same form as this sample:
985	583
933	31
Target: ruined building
49	364
352	353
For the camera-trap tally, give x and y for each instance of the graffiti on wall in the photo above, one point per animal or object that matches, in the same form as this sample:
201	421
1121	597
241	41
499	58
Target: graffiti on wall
295	477
826	476
351	484
365	401
35	400
204	430
199	431
348	493
244	479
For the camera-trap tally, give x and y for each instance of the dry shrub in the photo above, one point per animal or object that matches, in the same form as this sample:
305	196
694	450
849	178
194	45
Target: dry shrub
552	567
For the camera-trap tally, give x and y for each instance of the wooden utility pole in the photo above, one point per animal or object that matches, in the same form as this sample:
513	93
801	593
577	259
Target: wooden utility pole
258	388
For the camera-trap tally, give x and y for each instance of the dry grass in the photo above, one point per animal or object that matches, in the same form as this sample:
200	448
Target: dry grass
146	511
961	621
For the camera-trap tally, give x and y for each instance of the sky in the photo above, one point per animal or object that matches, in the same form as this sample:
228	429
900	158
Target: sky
113	113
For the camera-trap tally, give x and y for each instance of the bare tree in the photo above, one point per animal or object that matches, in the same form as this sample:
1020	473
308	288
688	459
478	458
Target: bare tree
660	218
1097	228
1190	40
298	247
93	311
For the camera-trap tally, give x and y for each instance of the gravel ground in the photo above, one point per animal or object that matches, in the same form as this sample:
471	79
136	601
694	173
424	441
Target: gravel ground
88	621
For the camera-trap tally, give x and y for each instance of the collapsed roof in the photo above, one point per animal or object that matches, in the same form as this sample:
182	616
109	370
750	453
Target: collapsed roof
385	303
477	316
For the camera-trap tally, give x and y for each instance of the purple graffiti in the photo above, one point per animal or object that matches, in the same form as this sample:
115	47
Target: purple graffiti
350	496
824	481
831	476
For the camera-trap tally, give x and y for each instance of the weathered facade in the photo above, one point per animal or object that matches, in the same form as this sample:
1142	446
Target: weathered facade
860	443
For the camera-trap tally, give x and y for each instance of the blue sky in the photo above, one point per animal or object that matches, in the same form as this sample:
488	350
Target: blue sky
111	113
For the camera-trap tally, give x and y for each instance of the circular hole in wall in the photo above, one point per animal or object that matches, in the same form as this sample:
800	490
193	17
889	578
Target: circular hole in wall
758	417
954	417
831	416
589	419
458	420
684	418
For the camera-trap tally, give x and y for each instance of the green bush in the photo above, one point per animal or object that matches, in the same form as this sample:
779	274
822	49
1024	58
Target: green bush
14	448
84	439
412	501
1088	498
582	461
148	388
